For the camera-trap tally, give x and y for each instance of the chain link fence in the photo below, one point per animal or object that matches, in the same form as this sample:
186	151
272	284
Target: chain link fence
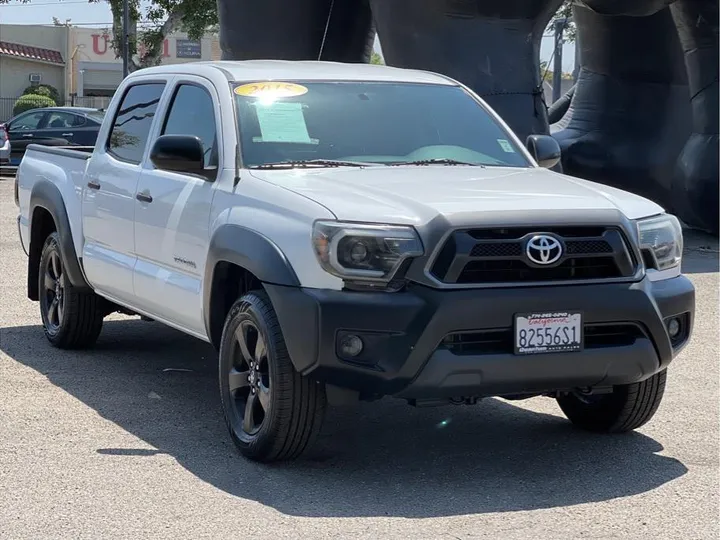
9	106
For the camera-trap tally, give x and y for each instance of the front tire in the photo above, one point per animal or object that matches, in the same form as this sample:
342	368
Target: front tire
627	408
72	319
272	412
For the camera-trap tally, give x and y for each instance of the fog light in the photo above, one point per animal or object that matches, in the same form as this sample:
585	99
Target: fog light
673	327
351	345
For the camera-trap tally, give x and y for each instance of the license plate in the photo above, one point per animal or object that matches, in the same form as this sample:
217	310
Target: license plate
537	333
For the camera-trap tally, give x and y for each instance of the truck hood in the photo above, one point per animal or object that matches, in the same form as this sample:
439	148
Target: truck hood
415	195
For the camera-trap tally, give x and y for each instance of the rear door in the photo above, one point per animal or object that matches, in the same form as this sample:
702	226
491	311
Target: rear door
172	220
109	196
58	128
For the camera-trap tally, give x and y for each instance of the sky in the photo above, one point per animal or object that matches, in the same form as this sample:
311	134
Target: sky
81	13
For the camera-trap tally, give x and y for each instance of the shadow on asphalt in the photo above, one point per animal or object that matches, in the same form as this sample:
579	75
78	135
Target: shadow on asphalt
375	459
701	253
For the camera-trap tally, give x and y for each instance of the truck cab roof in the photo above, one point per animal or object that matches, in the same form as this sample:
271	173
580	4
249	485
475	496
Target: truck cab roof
252	70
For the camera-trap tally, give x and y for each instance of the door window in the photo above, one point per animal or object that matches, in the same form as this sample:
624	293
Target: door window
62	120
192	113
27	121
133	121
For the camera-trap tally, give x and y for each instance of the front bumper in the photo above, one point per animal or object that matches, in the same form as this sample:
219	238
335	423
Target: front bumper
406	355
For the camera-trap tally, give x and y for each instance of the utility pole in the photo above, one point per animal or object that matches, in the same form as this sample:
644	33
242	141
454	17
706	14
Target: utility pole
126	38
557	56
576	67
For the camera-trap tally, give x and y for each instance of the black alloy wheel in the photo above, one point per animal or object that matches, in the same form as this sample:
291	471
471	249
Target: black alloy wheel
249	377
53	292
72	318
272	412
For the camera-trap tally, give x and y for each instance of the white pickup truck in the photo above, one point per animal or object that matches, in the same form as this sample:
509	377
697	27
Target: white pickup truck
342	232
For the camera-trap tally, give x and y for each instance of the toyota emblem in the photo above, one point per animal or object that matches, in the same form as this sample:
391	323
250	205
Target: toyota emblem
543	249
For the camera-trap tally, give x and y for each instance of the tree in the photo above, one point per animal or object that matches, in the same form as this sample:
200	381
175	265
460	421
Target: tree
376	59
565	12
162	18
149	26
31	101
43	90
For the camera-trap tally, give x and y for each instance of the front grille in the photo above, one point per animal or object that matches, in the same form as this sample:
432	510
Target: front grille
516	270
497	249
500	340
575	247
486	256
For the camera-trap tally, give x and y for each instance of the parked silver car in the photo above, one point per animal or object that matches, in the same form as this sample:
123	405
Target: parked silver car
4	146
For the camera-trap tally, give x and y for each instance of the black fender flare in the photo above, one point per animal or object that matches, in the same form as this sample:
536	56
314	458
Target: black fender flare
46	195
247	249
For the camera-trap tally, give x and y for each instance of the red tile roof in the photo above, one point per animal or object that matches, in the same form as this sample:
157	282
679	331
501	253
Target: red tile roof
31	53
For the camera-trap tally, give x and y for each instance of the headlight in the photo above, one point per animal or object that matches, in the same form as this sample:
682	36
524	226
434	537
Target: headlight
364	252
661	237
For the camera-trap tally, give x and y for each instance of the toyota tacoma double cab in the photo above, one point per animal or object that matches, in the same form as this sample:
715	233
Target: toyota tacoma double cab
344	232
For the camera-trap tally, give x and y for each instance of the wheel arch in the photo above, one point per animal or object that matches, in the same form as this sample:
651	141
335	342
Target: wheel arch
47	214
239	260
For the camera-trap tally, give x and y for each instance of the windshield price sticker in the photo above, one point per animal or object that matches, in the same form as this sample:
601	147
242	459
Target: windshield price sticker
537	333
271	89
506	146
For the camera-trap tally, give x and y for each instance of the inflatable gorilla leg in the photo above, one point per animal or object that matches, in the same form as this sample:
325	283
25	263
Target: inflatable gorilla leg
629	116
491	46
695	186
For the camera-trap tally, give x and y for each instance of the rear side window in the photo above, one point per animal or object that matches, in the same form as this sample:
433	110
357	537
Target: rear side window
133	121
62	120
192	113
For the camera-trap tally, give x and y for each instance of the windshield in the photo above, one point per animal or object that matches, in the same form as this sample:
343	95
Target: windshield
369	122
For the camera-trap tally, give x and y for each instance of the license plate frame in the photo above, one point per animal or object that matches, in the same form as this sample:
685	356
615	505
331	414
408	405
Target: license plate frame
560	323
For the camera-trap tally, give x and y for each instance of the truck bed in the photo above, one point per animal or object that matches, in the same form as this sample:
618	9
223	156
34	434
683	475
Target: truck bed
62	166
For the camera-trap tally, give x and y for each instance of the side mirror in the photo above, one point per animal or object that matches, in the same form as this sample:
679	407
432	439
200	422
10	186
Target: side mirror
178	153
545	149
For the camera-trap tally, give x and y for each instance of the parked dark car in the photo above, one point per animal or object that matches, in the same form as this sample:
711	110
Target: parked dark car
53	126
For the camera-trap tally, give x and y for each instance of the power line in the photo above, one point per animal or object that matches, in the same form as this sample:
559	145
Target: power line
46	4
59	3
103	23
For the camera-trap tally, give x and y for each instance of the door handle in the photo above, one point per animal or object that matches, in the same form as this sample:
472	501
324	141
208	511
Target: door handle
67	134
92	184
28	136
144	197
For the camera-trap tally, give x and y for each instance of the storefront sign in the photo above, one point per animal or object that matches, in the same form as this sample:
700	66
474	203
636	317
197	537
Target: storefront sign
101	47
188	48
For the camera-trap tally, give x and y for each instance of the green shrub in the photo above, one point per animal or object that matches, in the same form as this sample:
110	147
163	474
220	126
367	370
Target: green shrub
31	101
43	90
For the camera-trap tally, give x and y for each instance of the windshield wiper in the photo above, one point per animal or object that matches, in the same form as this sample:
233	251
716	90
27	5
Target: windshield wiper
310	163
436	161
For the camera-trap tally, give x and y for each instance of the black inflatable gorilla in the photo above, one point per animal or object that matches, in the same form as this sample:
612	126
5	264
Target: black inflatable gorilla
642	117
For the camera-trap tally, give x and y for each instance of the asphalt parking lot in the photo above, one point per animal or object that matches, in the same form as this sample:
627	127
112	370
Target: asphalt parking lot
127	441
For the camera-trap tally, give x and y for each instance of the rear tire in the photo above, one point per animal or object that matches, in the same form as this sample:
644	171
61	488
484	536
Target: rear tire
71	319
627	408
272	412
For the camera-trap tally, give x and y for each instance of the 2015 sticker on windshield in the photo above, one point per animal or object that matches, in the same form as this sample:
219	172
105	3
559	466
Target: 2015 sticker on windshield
271	89
506	146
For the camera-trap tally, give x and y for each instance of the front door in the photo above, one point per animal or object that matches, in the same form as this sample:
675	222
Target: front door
172	214
22	131
109	196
